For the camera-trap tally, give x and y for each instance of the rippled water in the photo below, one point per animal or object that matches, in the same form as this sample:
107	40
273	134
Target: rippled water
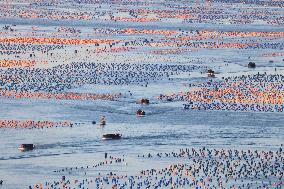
166	127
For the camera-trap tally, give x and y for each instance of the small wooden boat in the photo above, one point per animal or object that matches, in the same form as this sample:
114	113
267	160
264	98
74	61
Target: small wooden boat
169	99
26	147
102	121
210	73
251	65
111	136
140	113
144	101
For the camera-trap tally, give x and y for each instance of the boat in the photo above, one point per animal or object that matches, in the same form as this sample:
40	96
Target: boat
102	121
251	65
169	99
140	113
26	147
211	73
144	101
111	136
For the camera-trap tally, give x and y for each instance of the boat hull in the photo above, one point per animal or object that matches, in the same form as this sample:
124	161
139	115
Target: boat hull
24	148
140	115
106	138
111	137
